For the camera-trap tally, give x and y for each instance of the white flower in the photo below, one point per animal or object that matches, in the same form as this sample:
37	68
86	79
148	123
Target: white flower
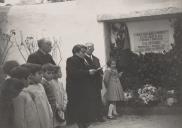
147	93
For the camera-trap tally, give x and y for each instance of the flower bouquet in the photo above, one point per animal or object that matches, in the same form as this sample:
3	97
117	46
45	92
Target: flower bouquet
148	94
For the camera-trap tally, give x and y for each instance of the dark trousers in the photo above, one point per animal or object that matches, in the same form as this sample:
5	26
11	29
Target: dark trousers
99	105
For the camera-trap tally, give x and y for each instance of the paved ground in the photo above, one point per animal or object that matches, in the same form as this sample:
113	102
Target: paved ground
133	121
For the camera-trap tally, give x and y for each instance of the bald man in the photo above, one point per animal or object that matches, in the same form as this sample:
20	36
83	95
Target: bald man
93	62
42	56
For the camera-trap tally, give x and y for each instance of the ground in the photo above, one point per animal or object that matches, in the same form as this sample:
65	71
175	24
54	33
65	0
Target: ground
134	121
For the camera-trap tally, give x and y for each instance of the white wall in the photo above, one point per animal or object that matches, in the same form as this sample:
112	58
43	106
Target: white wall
59	20
74	22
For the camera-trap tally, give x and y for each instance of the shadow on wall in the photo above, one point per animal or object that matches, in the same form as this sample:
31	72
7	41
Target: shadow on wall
3	21
22	46
3	37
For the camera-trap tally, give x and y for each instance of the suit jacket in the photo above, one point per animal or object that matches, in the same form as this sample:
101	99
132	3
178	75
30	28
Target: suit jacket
39	58
95	63
81	92
79	81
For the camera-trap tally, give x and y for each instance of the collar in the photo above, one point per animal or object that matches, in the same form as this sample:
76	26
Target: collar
90	56
77	56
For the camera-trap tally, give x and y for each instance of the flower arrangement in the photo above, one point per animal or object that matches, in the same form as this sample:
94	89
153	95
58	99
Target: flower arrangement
148	93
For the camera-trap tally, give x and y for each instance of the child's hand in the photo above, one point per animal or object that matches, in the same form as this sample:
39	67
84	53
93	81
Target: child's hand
120	74
64	109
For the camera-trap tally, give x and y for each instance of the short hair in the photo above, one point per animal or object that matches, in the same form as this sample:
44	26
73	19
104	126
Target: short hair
50	67
9	65
76	48
89	44
83	46
42	41
109	62
20	72
8	84
33	68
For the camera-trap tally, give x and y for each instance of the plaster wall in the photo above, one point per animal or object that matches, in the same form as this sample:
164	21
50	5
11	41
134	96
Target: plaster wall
72	22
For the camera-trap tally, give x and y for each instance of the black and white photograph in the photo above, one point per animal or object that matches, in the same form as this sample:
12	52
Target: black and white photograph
90	63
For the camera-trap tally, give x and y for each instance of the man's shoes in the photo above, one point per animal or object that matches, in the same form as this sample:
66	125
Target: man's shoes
101	119
80	125
83	125
86	125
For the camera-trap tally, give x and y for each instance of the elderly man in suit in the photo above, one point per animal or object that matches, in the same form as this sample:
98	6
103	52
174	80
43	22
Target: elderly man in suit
81	93
94	62
42	56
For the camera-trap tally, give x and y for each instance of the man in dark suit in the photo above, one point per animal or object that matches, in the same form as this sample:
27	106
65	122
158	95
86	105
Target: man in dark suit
42	56
94	62
81	93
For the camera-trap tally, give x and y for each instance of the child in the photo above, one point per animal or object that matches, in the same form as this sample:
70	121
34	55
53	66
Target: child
37	92
25	108
114	89
10	89
39	97
61	98
47	77
55	93
8	66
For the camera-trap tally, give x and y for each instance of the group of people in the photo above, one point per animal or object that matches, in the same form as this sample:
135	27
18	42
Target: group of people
32	94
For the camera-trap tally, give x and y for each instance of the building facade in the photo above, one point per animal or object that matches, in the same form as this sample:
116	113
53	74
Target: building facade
81	21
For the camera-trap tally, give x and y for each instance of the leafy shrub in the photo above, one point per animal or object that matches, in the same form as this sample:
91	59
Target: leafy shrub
163	70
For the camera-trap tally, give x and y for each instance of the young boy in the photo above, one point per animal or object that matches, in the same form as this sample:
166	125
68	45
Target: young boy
39	97
32	107
10	89
25	114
